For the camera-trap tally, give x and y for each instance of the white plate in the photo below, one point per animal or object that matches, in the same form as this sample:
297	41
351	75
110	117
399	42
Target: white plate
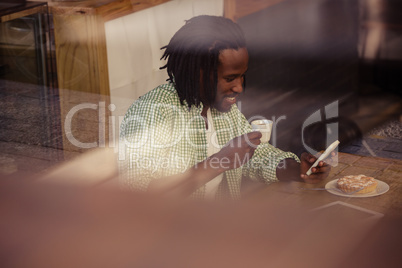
382	188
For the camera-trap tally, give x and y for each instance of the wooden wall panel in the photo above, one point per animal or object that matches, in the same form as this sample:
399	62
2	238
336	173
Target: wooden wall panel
235	9
82	67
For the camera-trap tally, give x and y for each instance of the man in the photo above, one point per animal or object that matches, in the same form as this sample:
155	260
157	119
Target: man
188	136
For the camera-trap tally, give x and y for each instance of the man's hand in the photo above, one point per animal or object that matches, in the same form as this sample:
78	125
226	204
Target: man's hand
319	172
238	151
231	156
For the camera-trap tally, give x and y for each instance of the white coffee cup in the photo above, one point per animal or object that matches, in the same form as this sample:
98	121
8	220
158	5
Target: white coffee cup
265	127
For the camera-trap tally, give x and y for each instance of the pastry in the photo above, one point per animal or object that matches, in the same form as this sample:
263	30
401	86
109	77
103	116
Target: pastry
360	184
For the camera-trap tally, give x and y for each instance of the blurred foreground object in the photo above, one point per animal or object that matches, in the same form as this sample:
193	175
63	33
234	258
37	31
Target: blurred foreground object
93	168
54	225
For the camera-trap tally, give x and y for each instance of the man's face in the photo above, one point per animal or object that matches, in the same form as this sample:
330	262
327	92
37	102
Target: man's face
232	67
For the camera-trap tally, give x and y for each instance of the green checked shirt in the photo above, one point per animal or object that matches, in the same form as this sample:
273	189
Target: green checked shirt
161	137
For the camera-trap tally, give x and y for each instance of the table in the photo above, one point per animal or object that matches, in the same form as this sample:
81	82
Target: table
384	169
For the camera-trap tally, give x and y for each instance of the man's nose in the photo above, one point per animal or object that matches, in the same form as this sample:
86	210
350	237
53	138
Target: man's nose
238	87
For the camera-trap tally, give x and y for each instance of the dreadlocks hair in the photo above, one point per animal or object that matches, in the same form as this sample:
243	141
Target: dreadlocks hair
194	49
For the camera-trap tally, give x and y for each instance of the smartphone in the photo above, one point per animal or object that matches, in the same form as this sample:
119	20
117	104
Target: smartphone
324	155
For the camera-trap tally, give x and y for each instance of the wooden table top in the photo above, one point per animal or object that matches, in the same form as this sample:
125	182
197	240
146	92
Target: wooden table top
383	169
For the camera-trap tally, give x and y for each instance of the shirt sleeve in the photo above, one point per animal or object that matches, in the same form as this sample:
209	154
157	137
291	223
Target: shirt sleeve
146	133
262	166
266	159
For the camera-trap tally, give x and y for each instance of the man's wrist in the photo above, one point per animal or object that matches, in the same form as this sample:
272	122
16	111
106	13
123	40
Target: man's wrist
217	163
211	166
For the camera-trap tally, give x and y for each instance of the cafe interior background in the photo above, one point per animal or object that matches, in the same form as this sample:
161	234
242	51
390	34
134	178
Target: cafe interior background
70	69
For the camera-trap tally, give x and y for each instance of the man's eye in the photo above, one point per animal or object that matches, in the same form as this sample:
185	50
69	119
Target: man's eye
229	79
